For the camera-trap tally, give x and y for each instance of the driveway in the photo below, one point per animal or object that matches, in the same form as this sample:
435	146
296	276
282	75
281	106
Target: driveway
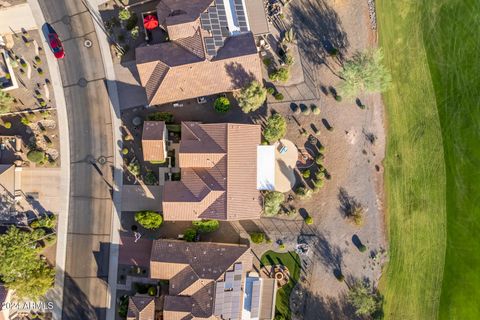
138	198
45	183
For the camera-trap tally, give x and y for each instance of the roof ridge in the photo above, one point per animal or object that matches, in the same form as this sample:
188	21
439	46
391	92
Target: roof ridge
156	78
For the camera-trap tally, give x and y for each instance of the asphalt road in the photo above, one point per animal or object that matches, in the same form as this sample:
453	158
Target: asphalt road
91	151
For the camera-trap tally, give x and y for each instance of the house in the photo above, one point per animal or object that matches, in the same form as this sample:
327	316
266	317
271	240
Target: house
141	308
211	50
218	164
154	137
207	280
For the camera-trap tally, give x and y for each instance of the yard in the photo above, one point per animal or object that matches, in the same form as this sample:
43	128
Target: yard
292	261
430	240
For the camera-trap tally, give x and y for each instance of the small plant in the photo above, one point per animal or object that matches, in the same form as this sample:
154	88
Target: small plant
23	63
135	32
43	103
318	183
306	111
303	193
40	71
306	174
222	104
190	235
267	62
131	23
338	98
339	276
14	63
47	222
150	178
124	151
8	76
278	96
309	220
281	246
315	109
289	35
289	60
292	212
38	60
124	14
152	291
319	159
161	116
321	149
319	175
25	121
7	125
330	128
257	237
362	248
270	90
134	168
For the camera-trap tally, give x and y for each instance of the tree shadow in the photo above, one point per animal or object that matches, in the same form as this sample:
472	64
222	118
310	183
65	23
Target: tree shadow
326	124
319	31
348	203
238	75
328	308
356	241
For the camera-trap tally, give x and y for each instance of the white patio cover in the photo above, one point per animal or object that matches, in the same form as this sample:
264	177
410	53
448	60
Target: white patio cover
266	168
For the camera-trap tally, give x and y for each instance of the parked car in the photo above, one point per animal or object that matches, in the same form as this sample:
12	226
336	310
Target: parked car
56	46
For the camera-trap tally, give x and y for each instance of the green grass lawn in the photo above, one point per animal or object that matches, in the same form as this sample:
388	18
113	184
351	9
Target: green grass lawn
292	261
432	158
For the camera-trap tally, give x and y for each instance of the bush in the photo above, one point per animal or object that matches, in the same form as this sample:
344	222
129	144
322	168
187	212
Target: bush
36	156
289	60
150	178
306	174
270	90
7	125
267	62
276	128
357	215
134	168
222	104
319	159
303	193
25	121
315	109
135	32
206	226
318	183
281	247
257	237
124	151
278	96
306	111
190	234
338	98
152	291
362	248
46	222
149	219
282	74
161	116
309	220
321	149
272	202
339	276
124	14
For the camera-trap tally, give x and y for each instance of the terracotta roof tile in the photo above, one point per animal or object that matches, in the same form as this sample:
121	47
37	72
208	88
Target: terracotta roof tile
141	308
153	141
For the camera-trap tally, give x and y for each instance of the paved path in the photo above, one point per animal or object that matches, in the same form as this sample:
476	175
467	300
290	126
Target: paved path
9	19
89	229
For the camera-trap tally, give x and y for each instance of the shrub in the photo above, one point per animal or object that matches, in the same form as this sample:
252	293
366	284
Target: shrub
289	60
272	202
303	193
149	219
357	215
306	174
270	90
152	291
38	60
134	168
315	109
135	32
338	98
306	111
251	97
309	220
7	125
292	212
339	276
362	248
124	151
222	104
318	183
267	62
46	222
206	226
36	156
43	103
276	128
319	159
161	116
282	74
124	14
190	234
321	149
40	71
365	300
132	22
257	237
278	96
150	178
6	101
281	246
331	128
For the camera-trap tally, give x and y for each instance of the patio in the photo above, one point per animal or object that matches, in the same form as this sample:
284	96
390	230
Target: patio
286	156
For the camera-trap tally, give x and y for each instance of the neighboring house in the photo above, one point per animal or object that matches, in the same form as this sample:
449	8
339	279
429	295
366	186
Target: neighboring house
211	50
207	280
218	165
154	137
141	308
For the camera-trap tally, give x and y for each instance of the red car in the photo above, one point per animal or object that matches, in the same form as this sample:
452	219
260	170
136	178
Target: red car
56	45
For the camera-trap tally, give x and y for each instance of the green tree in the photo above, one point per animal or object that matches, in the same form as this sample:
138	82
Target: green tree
222	104
282	74
20	267
45	222
149	219
6	101
364	72
276	128
206	226
364	299
251	97
257	237
190	234
272	202
36	156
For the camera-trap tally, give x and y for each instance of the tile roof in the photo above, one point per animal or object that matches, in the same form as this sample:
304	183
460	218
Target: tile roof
153	141
141	308
202	58
201	266
218	173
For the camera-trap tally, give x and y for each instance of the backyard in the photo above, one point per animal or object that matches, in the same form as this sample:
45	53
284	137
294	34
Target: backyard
291	260
431	188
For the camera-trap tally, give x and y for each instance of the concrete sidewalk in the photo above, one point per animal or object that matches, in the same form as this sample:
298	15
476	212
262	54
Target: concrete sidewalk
17	17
